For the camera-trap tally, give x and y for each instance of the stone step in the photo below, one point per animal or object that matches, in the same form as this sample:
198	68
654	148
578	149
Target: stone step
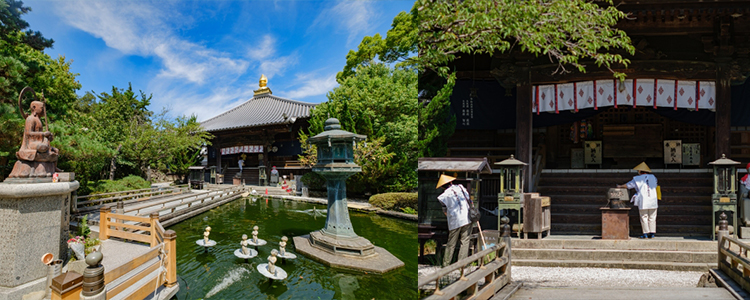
601	199
663	210
634	218
668	266
633	244
604	180
601	190
615	255
707	173
662	229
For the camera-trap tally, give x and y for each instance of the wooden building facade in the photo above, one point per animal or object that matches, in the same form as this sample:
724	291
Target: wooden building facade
686	85
264	131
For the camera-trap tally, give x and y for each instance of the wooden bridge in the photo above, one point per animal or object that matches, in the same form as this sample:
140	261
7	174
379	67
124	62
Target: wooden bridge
139	254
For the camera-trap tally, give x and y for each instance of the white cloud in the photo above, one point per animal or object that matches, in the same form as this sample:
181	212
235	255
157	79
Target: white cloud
311	85
268	62
141	28
266	48
356	17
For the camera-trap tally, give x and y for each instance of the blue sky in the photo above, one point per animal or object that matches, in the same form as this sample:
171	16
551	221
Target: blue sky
204	57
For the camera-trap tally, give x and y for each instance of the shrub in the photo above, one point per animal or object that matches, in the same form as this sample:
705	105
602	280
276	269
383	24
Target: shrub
314	182
395	201
132	182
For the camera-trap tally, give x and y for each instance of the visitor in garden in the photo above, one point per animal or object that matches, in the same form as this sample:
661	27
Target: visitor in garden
645	198
455	204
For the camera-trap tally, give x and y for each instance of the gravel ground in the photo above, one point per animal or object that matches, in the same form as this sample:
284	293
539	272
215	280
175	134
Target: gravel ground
568	277
554	277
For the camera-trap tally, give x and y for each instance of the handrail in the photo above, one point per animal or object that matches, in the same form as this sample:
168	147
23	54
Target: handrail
495	273
201	196
81	207
730	261
162	242
220	193
129	191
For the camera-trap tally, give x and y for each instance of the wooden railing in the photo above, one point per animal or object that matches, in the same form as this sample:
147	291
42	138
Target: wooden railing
146	230
173	203
495	272
82	204
735	264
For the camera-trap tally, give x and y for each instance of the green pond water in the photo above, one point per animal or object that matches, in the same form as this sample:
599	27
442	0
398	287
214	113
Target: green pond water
218	274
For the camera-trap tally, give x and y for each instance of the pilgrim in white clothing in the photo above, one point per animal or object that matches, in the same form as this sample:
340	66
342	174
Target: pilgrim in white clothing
645	198
456	207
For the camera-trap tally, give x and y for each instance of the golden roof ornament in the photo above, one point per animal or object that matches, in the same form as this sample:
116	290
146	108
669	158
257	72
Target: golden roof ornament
263	88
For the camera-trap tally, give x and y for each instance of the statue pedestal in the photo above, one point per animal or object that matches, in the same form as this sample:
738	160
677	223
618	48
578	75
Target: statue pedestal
35	219
615	223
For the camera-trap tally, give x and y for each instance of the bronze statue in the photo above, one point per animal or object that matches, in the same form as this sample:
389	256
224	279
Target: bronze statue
36	158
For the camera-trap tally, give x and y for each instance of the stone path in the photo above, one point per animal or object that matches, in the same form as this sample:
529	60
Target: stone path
601	283
619	293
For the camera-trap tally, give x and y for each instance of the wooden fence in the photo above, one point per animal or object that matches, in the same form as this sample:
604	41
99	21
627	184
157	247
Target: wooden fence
495	272
147	230
735	263
89	203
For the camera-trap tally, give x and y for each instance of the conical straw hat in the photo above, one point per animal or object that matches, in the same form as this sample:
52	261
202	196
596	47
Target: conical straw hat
444	179
642	167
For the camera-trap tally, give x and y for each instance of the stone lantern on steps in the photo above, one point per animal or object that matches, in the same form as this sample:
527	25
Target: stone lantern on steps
337	244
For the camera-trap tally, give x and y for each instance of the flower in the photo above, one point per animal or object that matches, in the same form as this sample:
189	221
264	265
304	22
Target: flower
78	239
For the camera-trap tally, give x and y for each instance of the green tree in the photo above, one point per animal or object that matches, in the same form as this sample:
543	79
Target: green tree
159	142
22	63
378	101
11	22
568	32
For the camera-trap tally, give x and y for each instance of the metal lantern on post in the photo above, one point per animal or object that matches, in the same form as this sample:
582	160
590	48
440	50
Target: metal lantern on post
724	197
511	186
511	179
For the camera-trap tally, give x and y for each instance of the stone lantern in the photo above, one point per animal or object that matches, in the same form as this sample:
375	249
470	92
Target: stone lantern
724	197
337	244
511	186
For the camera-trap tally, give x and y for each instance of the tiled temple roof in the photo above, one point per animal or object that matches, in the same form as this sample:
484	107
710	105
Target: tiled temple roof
261	110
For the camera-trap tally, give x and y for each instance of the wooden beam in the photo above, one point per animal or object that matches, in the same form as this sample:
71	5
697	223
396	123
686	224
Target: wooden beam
723	109
524	127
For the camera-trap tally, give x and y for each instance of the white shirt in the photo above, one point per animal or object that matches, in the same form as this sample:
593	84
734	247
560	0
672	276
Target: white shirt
456	206
746	181
645	191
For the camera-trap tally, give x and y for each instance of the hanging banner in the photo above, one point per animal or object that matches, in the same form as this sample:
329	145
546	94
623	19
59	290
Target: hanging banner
676	94
242	149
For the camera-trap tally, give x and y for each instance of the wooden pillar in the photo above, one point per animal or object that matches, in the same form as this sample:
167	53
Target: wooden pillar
723	109
524	125
170	245
103	223
217	146
153	218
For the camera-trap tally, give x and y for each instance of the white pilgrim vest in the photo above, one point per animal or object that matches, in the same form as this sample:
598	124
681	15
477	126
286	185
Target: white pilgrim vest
457	207
645	191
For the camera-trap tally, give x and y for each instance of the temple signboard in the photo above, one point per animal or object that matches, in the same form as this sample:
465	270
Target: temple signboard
593	153
691	154
673	152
